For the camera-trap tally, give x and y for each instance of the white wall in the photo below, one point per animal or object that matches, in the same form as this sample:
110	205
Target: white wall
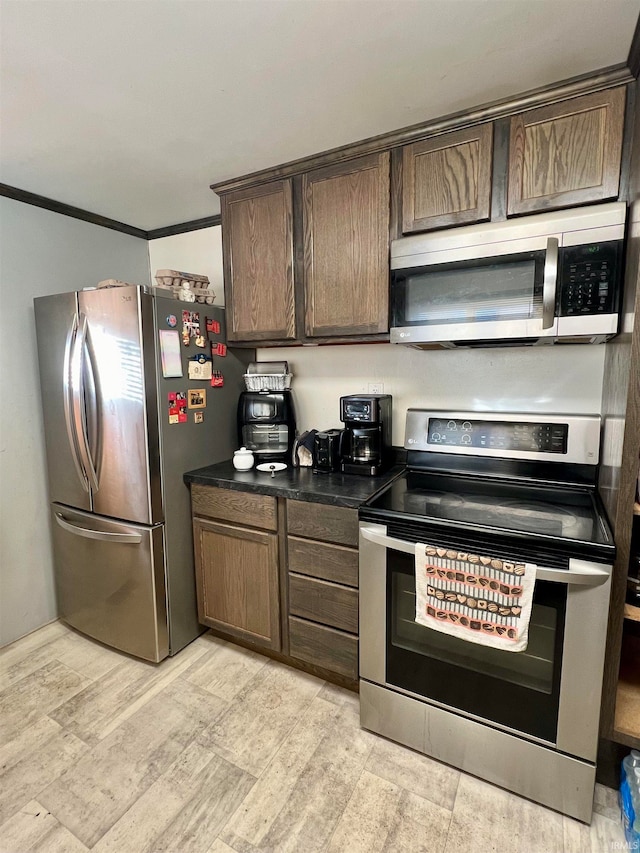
42	253
565	379
197	252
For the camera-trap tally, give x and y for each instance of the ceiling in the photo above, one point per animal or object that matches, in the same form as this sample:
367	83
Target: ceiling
132	108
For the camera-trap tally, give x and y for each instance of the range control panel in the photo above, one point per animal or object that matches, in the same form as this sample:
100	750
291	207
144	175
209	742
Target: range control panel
540	437
537	437
590	277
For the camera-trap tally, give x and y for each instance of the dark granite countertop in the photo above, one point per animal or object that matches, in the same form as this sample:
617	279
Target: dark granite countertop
301	484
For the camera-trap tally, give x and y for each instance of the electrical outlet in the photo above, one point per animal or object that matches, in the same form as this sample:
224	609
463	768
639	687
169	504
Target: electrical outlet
376	388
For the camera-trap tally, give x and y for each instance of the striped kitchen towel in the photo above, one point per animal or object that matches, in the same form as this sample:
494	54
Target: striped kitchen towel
481	599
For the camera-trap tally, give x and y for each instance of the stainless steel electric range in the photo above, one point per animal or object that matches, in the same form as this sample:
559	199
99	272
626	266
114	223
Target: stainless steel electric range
522	487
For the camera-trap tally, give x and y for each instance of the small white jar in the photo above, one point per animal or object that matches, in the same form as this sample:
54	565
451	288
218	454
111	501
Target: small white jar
243	459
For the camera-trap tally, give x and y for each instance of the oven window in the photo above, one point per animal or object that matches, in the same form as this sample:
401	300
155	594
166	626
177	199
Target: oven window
492	289
519	690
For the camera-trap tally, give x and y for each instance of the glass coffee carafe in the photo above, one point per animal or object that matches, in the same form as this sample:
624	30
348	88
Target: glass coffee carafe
364	445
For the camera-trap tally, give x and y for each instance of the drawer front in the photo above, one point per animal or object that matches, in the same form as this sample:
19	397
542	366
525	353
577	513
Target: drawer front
244	508
322	646
324	602
318	521
328	562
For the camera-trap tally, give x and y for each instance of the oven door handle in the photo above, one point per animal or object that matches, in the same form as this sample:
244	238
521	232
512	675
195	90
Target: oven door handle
373	535
580	572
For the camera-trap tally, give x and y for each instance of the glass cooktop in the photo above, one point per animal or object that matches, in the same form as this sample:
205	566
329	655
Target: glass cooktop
516	507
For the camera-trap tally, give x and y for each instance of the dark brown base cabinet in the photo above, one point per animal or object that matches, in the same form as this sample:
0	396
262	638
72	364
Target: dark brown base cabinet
237	565
280	575
323	586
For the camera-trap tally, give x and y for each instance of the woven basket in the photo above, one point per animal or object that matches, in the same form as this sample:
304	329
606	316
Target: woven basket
267	381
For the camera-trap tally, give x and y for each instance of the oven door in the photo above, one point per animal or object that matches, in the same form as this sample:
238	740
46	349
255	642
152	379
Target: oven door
507	295
549	693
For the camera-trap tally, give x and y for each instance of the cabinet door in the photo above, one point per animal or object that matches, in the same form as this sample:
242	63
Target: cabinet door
446	180
566	154
257	245
346	248
237	581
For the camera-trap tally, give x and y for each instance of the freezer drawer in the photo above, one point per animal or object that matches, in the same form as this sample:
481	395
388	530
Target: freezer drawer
110	581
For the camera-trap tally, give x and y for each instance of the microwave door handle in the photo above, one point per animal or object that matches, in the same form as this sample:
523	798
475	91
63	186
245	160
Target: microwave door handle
550	281
580	572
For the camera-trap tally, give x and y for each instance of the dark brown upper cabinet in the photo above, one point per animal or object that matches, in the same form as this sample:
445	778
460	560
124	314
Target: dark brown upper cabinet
257	245
345	268
446	180
566	154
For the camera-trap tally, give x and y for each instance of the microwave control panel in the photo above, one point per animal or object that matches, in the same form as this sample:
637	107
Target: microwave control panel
590	279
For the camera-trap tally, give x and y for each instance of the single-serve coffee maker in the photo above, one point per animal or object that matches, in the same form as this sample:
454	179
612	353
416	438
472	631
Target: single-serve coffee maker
366	443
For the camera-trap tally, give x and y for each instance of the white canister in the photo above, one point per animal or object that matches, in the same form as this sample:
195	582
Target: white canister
243	459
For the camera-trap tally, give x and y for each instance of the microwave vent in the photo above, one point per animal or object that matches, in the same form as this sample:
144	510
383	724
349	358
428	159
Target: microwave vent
493	342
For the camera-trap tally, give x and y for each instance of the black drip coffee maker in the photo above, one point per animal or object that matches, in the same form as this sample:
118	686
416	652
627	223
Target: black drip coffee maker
366	444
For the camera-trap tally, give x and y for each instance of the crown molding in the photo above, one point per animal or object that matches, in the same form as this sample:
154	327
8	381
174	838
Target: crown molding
95	218
69	210
183	227
633	60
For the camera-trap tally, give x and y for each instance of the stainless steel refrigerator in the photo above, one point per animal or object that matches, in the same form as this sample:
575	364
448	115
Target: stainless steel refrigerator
119	437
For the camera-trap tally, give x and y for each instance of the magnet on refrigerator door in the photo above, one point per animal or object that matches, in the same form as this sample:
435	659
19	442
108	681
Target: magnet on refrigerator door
177	401
200	367
197	398
170	354
190	326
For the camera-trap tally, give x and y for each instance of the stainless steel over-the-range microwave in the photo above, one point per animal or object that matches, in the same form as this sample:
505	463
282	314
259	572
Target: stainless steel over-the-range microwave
540	279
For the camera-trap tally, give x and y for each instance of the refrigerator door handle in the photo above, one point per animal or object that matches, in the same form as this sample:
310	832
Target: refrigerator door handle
77	384
89	533
89	396
69	401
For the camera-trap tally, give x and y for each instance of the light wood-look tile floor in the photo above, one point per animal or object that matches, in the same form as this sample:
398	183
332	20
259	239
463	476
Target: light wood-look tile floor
220	750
